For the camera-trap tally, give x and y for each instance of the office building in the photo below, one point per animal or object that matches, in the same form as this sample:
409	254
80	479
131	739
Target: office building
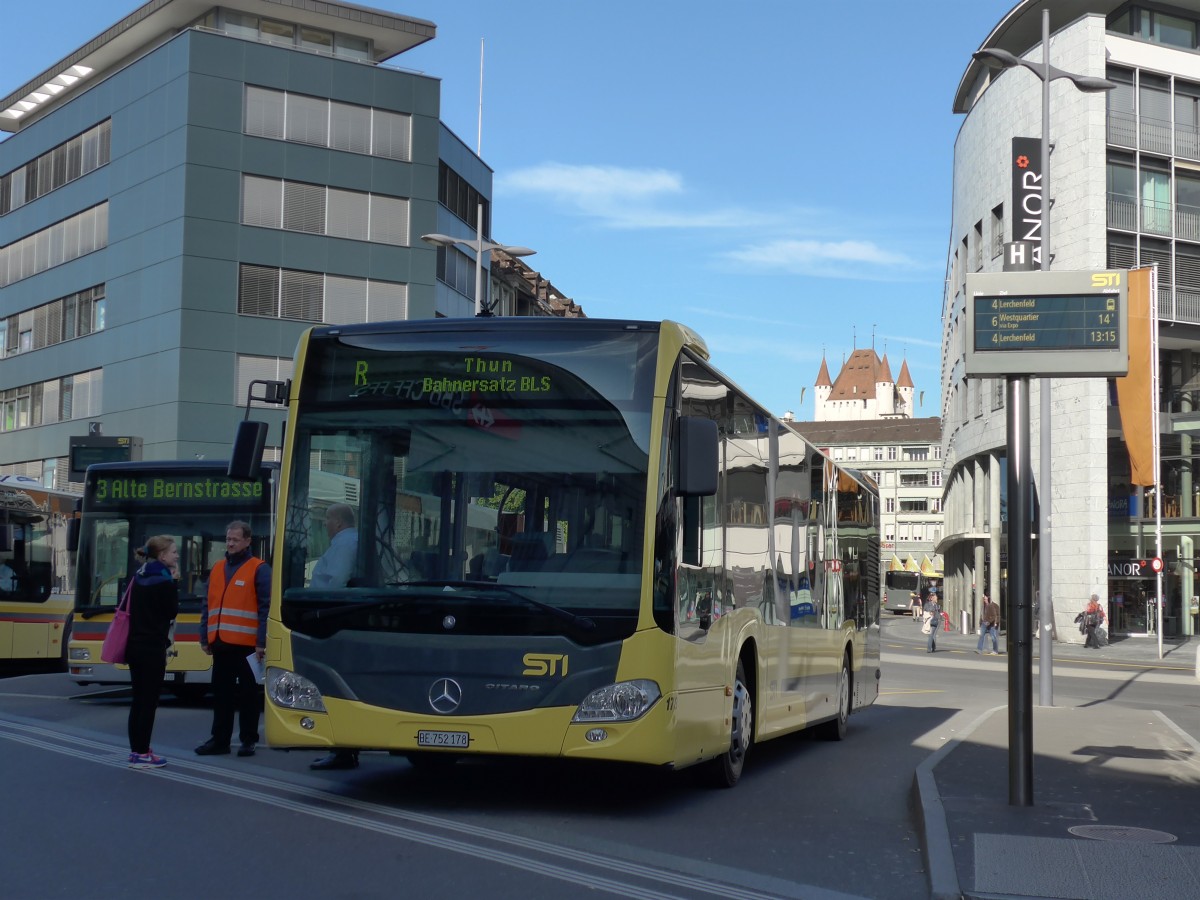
1124	191
187	192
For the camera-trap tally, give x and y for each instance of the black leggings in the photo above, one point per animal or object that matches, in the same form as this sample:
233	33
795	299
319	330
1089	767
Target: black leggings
147	670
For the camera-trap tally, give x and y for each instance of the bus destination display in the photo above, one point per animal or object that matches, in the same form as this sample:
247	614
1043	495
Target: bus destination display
1048	322
117	490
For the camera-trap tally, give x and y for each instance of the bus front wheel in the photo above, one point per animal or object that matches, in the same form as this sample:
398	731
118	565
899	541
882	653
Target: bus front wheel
726	769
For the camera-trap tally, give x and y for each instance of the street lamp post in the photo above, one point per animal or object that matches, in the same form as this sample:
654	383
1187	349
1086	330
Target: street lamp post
1021	783
480	246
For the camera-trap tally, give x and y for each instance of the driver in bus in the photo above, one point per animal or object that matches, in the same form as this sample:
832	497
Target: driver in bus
8	578
336	565
334	570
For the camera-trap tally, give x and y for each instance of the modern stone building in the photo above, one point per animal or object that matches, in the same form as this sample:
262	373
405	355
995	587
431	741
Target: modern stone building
187	192
1125	191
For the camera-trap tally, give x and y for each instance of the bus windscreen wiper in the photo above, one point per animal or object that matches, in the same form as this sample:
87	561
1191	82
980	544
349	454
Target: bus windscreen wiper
430	590
583	623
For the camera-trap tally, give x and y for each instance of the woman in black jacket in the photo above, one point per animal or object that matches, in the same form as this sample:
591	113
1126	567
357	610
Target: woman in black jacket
153	605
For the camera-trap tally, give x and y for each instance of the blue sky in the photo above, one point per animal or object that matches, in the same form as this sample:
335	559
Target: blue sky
774	173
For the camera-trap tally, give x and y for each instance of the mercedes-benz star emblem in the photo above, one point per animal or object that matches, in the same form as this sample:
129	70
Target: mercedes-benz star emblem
449	622
444	695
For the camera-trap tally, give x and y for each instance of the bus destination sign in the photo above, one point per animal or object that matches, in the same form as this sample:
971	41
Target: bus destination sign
117	490
1047	323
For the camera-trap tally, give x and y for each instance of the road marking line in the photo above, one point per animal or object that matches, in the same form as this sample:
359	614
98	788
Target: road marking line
416	828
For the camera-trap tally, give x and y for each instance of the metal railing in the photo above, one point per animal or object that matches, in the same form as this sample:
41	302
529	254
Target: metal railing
1122	129
1156	217
1155	135
1122	212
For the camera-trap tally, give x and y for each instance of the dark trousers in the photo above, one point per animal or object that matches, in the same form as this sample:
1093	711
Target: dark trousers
234	692
1091	640
147	670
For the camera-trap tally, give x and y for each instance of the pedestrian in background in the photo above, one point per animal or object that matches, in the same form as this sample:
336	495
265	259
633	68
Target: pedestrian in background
233	627
989	620
1093	618
914	602
933	621
153	605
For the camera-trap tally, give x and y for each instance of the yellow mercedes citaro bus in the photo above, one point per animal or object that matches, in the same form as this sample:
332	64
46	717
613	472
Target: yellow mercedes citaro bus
124	505
574	538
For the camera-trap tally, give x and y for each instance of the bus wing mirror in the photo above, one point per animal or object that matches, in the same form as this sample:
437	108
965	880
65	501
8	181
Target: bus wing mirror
245	460
698	458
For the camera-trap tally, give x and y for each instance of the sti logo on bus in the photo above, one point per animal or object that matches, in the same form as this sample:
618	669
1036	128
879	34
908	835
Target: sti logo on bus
543	664
1106	279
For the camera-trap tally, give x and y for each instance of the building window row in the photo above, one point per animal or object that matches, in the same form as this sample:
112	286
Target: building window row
282	115
457	270
1155	25
285	34
46	402
52	323
317	209
258	368
52	473
61	242
316	297
69	160
457	195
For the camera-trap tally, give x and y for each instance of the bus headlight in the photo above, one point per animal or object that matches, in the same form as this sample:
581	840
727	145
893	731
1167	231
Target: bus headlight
292	691
621	702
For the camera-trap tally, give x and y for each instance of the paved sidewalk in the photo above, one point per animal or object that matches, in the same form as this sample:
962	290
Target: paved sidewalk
1116	792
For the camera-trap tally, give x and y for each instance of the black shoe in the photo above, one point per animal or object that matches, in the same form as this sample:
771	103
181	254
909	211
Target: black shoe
212	748
247	748
338	759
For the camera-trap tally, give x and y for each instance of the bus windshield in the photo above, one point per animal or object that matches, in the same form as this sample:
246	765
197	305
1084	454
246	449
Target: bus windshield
903	581
480	476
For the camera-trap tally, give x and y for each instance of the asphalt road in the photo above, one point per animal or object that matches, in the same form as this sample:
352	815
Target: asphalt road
810	819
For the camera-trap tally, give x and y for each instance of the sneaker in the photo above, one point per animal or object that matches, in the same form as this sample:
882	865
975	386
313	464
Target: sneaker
247	749
992	653
978	651
212	748
146	761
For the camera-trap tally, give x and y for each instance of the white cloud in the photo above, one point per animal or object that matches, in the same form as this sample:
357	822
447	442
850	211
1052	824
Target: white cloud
623	198
844	259
657	199
591	184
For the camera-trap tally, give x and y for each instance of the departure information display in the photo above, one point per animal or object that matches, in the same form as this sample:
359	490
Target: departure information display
1047	324
1062	322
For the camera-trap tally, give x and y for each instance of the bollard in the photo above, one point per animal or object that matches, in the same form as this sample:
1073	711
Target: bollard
964	622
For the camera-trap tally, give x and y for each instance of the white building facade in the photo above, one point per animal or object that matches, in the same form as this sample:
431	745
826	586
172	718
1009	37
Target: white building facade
1124	182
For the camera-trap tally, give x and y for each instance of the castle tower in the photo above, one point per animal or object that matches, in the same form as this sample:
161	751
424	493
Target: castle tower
823	386
904	391
885	390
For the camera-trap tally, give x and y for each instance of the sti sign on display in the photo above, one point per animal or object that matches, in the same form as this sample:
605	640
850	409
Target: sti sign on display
1048	323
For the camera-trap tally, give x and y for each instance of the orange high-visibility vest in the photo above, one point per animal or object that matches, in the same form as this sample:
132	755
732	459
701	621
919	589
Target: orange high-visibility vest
233	606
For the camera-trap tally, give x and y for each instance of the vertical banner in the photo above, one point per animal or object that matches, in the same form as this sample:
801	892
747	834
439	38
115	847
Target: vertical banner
1028	191
1134	390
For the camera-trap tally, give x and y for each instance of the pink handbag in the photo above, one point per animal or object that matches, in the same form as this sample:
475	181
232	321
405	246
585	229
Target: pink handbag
113	649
